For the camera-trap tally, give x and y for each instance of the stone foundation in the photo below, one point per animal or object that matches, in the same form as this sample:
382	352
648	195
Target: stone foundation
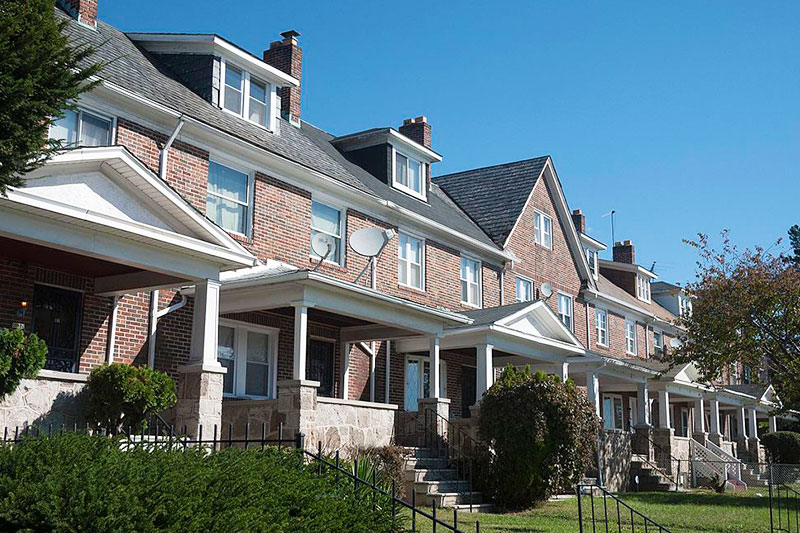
51	400
615	459
199	404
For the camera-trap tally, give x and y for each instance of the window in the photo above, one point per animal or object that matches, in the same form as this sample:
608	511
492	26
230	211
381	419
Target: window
542	229
228	198
630	336
327	220
470	281
524	290
642	288
601	326
246	96
57	321
410	252
418	378
658	340
247	353
591	258
409	174
612	412
684	305
565	309
82	128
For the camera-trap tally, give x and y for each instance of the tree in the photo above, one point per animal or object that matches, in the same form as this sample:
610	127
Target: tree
21	356
542	433
746	311
794	240
42	75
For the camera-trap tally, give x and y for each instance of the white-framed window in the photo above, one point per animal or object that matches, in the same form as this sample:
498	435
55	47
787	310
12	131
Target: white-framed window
524	289
601	326
248	352
247	96
630	336
684	305
81	127
228	197
658	340
470	281
328	221
591	258
542	229
418	381
409	174
410	261
642	288
613	417
565	309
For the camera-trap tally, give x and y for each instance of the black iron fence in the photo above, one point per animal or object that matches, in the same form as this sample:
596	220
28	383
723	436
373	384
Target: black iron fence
600	510
784	509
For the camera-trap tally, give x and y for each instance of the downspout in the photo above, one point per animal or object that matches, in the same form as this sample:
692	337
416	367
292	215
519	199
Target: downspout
162	163
112	330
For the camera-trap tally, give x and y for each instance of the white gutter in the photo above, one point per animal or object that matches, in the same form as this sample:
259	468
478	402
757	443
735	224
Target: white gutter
112	330
162	163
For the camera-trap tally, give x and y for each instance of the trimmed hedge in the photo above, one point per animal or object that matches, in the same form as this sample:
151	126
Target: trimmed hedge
783	446
87	483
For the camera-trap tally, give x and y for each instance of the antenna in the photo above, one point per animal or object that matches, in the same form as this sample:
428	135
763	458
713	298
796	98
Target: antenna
546	290
653	268
370	242
611	213
323	246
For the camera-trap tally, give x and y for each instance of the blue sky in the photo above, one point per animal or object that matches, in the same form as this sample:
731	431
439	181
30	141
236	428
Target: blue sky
681	116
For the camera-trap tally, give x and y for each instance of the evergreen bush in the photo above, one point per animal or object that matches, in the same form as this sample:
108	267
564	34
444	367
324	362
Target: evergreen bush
782	446
21	356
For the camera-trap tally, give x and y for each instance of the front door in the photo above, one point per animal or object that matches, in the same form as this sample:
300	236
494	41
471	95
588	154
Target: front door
319	366
468	392
418	377
57	321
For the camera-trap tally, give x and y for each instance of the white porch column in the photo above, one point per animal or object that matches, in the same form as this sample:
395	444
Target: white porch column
563	371
205	325
112	330
372	374
773	424
713	405
663	410
345	388
752	429
699	416
433	390
593	391
388	371
485	370
643	404
300	340
741	432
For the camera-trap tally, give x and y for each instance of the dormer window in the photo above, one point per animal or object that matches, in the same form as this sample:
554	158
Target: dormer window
247	96
642	288
684	305
591	258
409	175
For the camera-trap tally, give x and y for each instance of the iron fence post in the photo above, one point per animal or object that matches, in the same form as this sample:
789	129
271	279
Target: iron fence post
580	511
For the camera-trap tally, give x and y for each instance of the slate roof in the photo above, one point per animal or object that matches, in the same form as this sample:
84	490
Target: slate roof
134	69
495	196
490	315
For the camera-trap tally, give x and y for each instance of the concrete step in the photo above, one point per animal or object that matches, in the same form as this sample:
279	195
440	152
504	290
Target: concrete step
425	463
430	474
419	452
449	499
441	487
475	507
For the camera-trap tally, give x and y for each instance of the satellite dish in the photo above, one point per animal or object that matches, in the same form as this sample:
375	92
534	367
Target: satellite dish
322	245
546	290
370	241
675	342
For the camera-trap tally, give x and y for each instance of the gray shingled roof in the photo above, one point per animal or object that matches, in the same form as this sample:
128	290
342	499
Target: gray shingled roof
490	315
756	390
136	70
495	196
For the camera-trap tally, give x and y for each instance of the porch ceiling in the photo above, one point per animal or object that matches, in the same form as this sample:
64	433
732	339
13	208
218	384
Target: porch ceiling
71	263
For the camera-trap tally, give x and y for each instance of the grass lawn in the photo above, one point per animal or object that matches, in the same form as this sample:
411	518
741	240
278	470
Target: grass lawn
697	511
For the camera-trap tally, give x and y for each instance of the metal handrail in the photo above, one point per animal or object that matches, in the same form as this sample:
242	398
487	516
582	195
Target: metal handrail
725	456
630	513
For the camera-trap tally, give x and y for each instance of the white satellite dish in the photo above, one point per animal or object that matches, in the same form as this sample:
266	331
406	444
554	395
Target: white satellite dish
675	342
370	241
323	246
546	290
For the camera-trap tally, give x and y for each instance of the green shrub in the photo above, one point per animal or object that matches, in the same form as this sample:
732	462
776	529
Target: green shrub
542	433
782	446
124	395
21	356
388	464
81	483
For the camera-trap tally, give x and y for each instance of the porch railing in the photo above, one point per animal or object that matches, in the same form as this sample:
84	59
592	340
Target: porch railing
607	512
733	469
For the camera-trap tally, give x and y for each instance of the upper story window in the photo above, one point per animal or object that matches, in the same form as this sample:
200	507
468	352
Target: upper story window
658	340
601	326
542	229
591	258
684	305
630	337
524	290
82	128
228	198
565	309
642	288
409	175
246	96
470	281
410	261
328	221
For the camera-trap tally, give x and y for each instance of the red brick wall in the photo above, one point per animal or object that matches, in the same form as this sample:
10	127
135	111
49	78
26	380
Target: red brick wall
617	346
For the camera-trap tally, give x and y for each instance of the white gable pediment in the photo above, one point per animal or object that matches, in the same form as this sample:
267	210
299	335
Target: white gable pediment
539	320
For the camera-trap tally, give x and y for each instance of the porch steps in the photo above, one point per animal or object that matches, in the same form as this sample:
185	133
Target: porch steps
650	479
429	476
753	478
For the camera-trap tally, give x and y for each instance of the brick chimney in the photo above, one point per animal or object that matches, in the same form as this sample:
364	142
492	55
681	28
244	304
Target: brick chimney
579	220
85	11
287	56
418	130
624	252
